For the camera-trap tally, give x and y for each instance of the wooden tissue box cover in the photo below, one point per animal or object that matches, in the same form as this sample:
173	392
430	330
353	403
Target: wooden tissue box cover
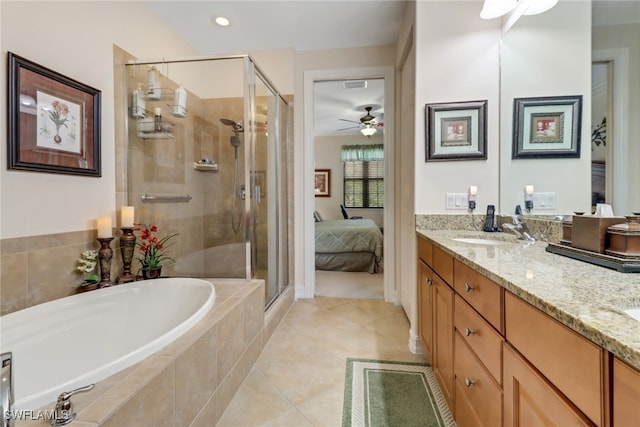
590	232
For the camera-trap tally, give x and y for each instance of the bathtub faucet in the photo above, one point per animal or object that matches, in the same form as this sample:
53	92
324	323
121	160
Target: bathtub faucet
64	408
6	389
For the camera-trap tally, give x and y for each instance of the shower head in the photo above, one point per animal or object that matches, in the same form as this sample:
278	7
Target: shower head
237	126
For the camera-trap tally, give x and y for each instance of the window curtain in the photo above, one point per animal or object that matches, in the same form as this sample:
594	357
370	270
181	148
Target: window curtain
356	153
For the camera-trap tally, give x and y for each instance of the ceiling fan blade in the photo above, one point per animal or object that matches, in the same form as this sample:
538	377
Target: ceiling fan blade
350	121
352	127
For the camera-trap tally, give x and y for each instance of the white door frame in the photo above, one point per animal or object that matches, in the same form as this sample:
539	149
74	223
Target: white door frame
310	77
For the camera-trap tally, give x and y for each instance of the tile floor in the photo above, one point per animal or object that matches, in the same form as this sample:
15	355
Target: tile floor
298	380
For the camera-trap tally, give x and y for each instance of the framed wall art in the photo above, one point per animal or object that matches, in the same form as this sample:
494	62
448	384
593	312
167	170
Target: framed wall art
456	131
323	183
53	121
547	127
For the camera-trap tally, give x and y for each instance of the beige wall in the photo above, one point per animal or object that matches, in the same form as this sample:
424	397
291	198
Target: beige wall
457	60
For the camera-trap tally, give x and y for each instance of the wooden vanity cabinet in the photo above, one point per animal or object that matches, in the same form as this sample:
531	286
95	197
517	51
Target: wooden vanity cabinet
626	395
435	313
573	364
531	401
425	308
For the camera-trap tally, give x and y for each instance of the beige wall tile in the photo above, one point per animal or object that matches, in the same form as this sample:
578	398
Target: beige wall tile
196	377
13	283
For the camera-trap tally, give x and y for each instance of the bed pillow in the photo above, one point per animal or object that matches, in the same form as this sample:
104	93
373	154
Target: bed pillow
317	216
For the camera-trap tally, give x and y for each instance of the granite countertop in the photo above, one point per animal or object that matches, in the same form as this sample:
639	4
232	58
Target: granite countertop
588	299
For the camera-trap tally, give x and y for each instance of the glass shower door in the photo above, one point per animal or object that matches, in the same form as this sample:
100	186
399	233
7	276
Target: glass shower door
264	177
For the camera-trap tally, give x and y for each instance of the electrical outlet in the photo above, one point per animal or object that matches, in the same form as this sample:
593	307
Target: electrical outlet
457	201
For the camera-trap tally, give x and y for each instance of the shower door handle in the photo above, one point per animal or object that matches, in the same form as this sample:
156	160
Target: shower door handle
257	193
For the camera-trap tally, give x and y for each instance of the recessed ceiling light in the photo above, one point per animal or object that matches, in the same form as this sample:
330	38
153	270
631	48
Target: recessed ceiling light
222	21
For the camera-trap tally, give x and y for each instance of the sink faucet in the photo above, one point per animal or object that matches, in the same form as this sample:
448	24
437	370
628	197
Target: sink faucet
6	389
519	227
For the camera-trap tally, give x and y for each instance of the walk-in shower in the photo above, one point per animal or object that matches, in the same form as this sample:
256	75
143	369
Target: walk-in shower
216	163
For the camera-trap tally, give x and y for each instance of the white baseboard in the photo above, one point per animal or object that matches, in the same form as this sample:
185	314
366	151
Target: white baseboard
415	346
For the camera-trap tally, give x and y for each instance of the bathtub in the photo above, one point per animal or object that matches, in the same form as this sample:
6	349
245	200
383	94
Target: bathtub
81	339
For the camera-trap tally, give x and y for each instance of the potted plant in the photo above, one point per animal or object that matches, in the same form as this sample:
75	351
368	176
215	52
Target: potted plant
87	265
153	250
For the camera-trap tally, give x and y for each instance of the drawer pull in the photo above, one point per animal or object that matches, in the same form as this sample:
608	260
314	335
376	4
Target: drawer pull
429	281
468	332
468	287
469	382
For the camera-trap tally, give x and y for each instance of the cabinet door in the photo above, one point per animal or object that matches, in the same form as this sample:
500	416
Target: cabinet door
443	337
626	395
531	401
425	309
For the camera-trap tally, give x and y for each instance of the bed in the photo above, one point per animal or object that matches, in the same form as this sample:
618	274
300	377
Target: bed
348	245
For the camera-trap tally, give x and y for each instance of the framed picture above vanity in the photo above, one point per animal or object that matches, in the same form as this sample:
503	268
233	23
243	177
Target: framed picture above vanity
547	127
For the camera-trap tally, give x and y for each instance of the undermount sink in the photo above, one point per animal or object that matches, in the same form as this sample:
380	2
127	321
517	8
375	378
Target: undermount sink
479	241
633	312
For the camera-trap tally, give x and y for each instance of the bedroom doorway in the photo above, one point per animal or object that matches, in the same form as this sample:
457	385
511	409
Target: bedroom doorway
345	105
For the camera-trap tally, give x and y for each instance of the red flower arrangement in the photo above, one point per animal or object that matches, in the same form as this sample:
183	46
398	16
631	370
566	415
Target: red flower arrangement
152	248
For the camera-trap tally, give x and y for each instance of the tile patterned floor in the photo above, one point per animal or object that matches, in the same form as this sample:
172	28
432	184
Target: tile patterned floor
298	380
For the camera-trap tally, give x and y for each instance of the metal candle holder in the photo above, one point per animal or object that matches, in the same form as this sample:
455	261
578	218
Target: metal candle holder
127	248
105	253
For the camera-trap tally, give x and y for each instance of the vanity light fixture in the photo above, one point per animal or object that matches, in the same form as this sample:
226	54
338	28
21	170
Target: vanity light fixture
473	192
496	8
368	130
223	21
528	197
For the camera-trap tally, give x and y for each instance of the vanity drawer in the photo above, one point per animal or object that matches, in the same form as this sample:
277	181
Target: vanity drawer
483	294
478	397
425	251
443	264
571	362
481	337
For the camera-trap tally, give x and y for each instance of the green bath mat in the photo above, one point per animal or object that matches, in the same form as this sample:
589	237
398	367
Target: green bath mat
381	393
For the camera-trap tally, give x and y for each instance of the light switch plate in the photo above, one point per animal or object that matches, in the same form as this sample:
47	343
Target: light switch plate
457	201
544	200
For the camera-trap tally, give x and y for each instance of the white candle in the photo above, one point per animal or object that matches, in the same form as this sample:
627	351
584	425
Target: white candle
126	217
104	227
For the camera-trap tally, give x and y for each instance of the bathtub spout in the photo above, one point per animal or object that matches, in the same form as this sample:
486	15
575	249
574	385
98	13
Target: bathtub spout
6	389
64	408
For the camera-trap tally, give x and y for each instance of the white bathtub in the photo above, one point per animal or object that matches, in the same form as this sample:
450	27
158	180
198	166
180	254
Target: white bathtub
78	340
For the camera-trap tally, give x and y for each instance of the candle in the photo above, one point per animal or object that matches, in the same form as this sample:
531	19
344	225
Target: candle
104	227
126	217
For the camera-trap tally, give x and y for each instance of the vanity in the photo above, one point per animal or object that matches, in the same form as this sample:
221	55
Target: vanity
518	336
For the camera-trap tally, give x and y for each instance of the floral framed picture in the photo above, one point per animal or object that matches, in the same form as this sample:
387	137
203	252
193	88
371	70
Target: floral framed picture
53	121
547	127
456	131
323	183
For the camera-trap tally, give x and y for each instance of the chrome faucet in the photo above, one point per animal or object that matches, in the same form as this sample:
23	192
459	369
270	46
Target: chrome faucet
6	390
519	227
64	413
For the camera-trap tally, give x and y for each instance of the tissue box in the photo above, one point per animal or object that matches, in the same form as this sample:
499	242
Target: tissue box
590	232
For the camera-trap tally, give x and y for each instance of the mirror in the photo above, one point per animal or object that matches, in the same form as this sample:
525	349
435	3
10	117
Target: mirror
549	55
543	56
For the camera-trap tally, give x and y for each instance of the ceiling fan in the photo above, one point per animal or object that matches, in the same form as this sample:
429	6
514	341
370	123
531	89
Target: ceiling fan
367	123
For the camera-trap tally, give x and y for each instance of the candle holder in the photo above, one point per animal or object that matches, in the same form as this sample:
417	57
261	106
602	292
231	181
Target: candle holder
105	253
127	248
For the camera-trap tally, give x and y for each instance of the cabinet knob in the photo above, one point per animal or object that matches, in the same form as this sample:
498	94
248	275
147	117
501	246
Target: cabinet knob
469	382
429	281
468	332
468	287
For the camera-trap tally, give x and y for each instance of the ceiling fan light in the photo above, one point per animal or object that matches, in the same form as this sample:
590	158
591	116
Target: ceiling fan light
368	130
538	6
496	8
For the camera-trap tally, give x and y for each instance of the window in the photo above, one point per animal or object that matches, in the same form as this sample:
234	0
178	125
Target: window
363	176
